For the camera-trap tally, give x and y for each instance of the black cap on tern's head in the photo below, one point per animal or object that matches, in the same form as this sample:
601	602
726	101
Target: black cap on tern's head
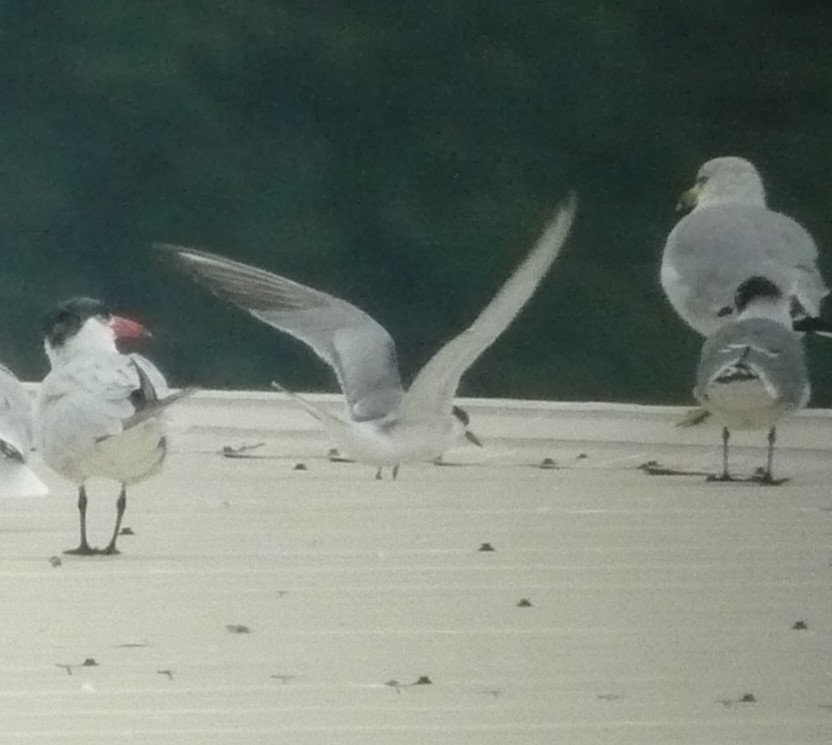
755	288
66	319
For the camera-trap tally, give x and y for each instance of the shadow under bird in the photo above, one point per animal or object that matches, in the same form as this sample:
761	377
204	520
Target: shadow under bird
16	477
100	413
387	426
753	370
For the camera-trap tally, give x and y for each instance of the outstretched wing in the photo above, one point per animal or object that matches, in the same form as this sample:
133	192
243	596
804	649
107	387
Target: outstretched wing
357	347
434	388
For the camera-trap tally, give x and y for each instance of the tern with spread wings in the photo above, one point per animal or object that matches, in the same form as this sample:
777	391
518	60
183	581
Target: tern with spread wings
387	426
99	413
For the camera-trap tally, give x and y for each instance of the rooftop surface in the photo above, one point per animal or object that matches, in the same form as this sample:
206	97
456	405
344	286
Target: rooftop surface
280	597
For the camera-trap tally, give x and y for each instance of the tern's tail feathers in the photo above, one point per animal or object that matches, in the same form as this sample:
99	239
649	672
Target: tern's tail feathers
156	407
18	480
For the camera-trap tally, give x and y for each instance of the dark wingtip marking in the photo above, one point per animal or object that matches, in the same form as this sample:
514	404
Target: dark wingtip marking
461	414
10	451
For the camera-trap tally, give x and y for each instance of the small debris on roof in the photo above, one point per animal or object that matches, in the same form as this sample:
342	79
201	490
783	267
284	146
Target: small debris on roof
335	456
237	628
240	451
422	680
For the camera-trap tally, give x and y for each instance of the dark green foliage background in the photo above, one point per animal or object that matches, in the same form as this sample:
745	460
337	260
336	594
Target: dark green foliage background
402	155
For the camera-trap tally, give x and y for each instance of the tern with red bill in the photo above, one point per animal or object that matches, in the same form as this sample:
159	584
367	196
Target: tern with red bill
386	424
99	413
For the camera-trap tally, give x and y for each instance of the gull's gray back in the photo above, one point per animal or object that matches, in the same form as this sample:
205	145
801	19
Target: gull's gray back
714	249
764	346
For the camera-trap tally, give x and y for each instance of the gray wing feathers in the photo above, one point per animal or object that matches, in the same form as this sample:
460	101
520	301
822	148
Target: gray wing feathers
80	403
157	407
435	385
150	375
359	349
714	249
153	395
764	345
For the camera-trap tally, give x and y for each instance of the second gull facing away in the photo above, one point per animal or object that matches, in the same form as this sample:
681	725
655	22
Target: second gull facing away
387	426
753	370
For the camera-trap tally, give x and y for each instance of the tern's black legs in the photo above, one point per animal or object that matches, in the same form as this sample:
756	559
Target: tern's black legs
772	438
121	505
84	548
395	473
726	437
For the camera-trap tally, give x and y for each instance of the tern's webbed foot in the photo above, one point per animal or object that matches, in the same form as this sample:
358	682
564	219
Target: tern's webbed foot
766	479
720	478
83	550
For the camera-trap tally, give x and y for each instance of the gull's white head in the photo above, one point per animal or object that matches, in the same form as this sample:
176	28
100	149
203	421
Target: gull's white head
84	324
721	180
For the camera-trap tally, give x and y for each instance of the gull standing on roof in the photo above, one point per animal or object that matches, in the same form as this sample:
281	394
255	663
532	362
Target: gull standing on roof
753	370
16	477
99	413
387	426
730	235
